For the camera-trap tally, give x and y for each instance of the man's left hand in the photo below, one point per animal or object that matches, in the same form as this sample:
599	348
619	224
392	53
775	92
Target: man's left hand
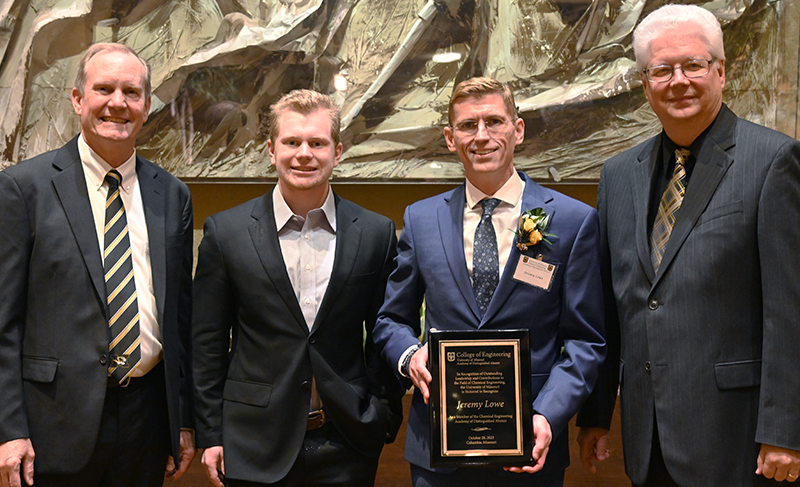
187	454
778	463
542	436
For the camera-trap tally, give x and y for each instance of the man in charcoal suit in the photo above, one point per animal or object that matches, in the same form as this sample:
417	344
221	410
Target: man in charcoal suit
299	396
700	226
95	256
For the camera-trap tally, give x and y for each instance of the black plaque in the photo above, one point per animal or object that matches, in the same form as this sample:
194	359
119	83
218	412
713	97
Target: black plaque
481	406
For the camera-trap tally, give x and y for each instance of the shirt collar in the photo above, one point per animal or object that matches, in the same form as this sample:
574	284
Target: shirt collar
96	168
510	193
283	214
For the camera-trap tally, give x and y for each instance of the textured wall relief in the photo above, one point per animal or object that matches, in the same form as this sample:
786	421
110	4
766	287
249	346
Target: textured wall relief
217	65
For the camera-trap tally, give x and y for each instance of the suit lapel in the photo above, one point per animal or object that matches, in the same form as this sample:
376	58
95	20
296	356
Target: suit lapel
641	187
451	227
153	196
264	234
534	196
712	163
348	240
70	186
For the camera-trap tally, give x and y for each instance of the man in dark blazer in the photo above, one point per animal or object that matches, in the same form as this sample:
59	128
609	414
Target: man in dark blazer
438	260
289	387
702	332
61	402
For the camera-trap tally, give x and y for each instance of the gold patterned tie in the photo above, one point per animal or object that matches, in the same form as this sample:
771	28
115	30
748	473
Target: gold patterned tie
670	203
124	345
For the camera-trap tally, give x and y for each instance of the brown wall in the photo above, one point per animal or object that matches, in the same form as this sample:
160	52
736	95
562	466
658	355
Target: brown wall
388	199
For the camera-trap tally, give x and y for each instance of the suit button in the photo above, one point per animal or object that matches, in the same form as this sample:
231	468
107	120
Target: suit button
647	366
306	385
312	340
103	360
653	304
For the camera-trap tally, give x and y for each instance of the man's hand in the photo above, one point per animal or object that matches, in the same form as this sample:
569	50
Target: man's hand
542	436
214	461
16	455
187	455
778	463
593	443
418	370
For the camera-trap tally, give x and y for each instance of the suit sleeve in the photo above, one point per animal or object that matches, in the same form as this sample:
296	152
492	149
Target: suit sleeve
580	330
383	383
598	409
398	324
15	252
213	317
185	315
778	237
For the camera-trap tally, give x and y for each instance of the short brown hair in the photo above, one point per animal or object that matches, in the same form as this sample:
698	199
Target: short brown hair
478	87
304	102
95	49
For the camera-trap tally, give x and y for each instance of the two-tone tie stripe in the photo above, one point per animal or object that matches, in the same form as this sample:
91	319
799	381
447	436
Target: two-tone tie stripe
124	337
671	201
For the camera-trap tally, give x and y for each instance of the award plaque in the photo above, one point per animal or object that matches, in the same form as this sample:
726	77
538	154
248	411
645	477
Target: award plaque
480	405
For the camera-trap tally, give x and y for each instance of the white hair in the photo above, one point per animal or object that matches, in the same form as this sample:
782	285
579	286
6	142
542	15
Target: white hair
698	21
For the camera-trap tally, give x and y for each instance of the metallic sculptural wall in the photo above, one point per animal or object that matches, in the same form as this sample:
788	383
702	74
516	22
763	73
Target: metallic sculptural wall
391	64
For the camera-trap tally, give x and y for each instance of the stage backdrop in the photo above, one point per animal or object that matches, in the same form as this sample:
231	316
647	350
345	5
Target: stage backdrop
217	65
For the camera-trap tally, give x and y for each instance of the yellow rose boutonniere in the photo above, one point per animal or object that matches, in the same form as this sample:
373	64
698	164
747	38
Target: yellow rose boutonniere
532	226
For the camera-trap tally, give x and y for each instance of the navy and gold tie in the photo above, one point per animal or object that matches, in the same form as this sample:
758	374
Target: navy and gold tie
485	263
671	201
124	338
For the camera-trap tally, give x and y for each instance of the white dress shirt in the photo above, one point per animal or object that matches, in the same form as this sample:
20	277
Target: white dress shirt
95	170
308	246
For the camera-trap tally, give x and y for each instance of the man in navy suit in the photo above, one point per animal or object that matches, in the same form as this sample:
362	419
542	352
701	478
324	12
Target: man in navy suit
443	257
702	313
92	414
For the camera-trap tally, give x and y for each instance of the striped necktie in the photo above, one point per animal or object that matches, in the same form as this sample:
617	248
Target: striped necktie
485	261
124	345
671	201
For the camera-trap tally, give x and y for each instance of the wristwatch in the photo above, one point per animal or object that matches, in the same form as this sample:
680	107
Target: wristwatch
407	360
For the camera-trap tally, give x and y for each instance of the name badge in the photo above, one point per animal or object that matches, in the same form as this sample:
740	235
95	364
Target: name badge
535	272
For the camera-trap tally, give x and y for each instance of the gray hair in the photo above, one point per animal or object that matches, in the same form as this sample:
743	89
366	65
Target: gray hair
95	49
689	18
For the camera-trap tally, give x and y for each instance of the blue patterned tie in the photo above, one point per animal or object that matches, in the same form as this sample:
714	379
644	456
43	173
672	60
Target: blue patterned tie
485	263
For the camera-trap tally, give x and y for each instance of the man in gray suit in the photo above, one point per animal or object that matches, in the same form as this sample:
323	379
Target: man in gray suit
699	229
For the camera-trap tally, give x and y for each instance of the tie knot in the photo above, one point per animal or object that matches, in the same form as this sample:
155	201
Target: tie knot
114	179
681	155
489	205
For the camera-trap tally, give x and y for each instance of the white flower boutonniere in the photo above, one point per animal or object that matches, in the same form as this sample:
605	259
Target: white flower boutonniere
532	226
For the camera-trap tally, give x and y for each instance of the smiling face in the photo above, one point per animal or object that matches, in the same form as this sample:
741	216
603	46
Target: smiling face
304	154
484	136
113	106
685	107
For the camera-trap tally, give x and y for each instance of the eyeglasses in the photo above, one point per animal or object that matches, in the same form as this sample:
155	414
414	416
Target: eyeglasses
493	125
696	68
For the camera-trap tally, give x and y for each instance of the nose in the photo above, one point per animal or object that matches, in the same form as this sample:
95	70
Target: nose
678	76
117	99
482	133
304	151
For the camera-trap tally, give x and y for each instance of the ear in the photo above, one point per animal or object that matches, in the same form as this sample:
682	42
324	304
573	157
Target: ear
448	137
147	107
721	70
77	98
271	150
337	155
646	85
519	130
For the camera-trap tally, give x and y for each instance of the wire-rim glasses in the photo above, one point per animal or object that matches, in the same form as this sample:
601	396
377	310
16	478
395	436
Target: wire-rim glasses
694	68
